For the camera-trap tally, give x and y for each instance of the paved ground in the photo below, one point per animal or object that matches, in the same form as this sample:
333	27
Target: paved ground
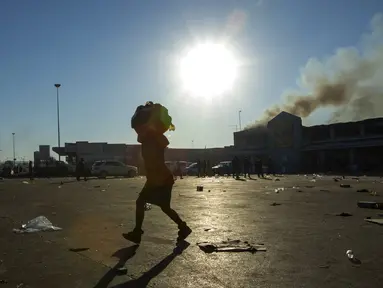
306	243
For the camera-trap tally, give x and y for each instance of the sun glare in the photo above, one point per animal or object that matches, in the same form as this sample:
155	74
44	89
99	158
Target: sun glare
208	70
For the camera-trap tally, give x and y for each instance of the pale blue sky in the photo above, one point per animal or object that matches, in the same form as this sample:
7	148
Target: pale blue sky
111	56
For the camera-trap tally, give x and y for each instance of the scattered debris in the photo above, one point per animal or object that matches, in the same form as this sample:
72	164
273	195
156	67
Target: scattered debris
345	185
370	205
355	178
277	190
208	229
275	204
363	190
121	270
148	206
103	190
25	182
309	186
324	266
97	186
230	246
277	179
38	224
344	214
313	180
2	281
373	193
350	254
199	188
376	221
336	180
78	249
324	190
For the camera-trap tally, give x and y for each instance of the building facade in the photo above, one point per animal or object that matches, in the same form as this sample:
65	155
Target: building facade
355	146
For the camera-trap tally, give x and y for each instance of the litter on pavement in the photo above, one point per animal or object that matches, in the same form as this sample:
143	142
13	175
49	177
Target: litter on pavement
275	204
38	224
230	246
344	214
370	205
376	221
345	185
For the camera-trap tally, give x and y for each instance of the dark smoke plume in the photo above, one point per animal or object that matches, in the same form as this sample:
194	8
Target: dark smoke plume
350	81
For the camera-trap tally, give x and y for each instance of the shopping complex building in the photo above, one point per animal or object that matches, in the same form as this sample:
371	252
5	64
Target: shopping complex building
284	140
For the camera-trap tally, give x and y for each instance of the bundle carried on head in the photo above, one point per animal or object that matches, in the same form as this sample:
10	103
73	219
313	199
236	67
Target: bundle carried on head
151	119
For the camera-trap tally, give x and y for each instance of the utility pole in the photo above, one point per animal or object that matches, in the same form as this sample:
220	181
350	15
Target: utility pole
14	153
58	117
239	118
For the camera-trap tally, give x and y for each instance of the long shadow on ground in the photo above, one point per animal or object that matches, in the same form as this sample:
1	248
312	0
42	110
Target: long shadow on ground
145	278
123	255
127	253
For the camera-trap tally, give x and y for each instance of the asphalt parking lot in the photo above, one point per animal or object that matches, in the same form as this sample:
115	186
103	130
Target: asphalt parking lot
305	240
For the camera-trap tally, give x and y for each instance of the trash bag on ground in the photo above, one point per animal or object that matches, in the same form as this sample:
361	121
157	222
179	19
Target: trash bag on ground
38	224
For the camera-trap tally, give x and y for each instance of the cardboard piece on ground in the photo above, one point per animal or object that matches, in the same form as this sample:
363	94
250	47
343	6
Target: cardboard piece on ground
376	221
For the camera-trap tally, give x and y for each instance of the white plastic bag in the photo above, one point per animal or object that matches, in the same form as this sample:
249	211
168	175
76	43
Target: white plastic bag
38	224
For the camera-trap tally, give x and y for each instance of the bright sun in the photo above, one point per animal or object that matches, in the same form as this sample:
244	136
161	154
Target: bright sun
208	70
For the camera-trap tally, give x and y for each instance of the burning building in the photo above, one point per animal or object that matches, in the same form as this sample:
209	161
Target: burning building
334	147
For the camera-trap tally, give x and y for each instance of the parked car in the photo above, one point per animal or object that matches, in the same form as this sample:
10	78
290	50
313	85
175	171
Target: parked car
105	168
192	169
223	168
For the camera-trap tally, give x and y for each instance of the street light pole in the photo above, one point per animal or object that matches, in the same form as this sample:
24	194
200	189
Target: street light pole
58	117
14	153
239	117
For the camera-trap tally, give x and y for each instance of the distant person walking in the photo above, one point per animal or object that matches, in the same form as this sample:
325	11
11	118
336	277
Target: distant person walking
235	164
179	170
246	167
208	168
204	166
198	168
80	170
259	168
30	168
